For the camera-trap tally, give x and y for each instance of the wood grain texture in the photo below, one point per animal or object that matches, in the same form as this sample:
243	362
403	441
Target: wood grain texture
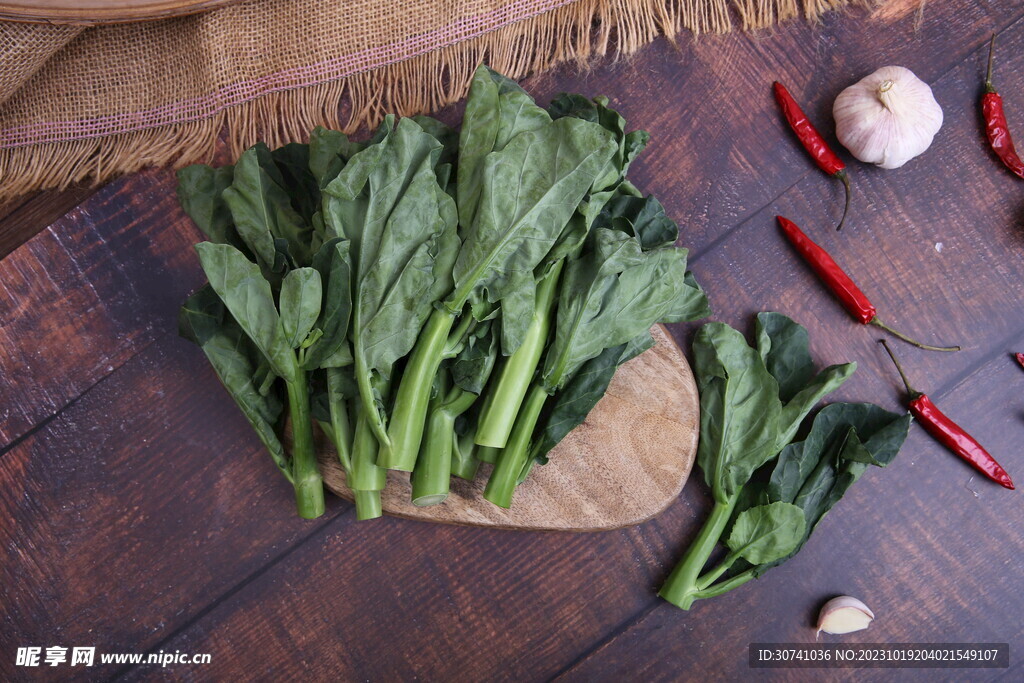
625	464
208	558
101	11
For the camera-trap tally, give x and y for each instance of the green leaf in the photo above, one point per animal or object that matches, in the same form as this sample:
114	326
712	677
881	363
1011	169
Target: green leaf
328	152
784	347
301	295
740	409
785	350
246	294
200	190
472	368
577	398
530	190
767	532
844	437
332	349
402	229
292	161
204	321
597	111
497	110
611	296
263	212
642	217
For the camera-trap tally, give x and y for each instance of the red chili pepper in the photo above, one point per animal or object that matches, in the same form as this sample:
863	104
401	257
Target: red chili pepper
996	128
1020	358
948	433
844	288
812	141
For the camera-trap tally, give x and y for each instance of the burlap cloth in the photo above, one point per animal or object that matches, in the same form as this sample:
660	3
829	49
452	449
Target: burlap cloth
88	103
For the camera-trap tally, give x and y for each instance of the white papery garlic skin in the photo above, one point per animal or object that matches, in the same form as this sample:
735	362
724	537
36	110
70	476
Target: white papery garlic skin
887	118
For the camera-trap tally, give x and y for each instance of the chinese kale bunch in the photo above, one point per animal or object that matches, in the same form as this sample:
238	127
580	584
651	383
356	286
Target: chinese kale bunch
432	298
773	471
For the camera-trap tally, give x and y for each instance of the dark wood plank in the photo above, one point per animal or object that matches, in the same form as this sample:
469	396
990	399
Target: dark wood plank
87	294
24	217
136	508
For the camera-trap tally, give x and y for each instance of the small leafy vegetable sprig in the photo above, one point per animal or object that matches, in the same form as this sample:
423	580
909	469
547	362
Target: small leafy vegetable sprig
432	298
769	490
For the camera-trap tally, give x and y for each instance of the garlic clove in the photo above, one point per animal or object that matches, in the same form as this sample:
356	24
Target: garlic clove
888	117
844	614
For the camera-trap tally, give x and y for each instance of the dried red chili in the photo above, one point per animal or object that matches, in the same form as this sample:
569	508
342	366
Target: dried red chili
841	285
1020	358
811	139
948	433
996	128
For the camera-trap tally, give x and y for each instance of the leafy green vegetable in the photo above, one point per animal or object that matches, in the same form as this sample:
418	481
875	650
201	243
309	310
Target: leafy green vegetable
509	259
401	226
753	403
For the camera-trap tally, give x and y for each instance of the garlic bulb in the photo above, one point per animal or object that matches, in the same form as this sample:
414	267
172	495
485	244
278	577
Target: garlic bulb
887	118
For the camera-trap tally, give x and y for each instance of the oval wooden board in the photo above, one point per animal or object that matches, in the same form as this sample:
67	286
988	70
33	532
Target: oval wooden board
624	465
101	11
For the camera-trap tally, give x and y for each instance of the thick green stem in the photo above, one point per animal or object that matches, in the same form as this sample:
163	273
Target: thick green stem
309	488
464	461
502	482
366	475
506	397
432	476
405	431
488	454
681	586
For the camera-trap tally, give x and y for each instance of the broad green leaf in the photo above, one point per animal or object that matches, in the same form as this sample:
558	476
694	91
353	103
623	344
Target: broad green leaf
740	407
204	321
767	532
262	209
642	217
473	366
402	228
200	190
530	190
794	412
332	349
328	152
597	111
246	294
816	472
785	350
611	296
576	399
292	162
300	299
497	110
784	347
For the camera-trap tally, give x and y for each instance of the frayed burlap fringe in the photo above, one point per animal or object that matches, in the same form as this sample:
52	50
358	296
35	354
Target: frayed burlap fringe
575	32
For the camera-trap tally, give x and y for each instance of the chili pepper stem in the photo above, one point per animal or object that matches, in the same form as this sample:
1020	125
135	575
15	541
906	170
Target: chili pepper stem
914	393
899	335
845	177
991	55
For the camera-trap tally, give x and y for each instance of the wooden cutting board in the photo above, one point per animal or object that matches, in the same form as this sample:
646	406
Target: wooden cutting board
624	465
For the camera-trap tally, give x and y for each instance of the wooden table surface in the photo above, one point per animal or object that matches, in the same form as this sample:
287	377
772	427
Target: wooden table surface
140	515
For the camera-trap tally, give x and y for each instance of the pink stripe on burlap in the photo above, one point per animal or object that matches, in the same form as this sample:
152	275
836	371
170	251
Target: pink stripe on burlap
196	108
